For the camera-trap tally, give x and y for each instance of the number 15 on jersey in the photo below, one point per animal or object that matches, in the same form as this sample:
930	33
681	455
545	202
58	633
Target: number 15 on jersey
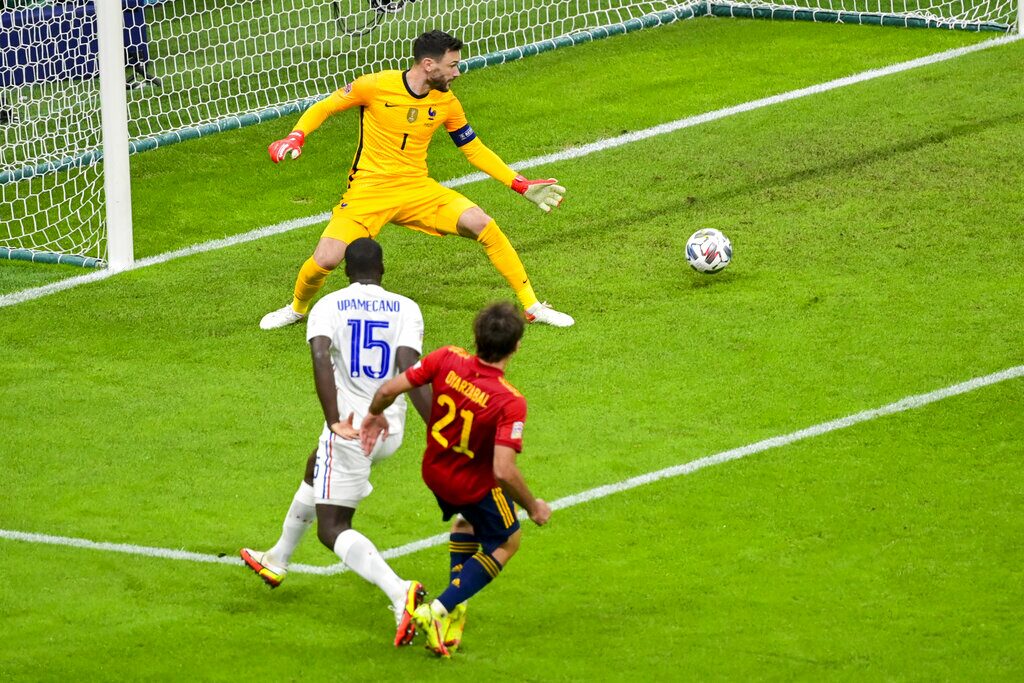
363	341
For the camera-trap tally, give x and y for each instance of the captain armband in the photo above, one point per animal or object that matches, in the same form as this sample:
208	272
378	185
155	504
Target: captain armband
463	135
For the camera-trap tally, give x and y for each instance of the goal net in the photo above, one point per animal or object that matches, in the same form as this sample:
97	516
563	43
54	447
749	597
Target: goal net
195	67
972	15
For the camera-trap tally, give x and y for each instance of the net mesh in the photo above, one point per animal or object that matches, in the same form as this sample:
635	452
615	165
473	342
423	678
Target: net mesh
960	14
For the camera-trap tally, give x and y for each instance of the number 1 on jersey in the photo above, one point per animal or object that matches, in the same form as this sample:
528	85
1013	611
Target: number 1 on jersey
467	425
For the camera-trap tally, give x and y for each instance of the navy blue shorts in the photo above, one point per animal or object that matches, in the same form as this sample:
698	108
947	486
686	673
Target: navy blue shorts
493	517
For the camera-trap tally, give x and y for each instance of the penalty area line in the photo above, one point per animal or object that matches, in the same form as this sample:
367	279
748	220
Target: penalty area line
25	295
902	405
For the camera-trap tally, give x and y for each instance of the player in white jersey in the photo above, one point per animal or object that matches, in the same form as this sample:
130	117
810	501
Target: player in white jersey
360	337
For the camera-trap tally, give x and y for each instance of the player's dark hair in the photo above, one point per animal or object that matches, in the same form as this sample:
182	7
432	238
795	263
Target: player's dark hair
364	260
434	44
498	328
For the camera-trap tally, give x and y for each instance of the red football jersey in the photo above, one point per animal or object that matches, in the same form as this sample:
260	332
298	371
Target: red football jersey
474	409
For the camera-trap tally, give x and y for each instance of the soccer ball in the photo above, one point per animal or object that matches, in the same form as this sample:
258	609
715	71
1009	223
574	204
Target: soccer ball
708	251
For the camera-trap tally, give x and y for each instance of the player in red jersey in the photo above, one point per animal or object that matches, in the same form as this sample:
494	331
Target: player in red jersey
473	437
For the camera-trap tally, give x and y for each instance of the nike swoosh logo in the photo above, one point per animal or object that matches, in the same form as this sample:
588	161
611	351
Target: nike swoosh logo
388	104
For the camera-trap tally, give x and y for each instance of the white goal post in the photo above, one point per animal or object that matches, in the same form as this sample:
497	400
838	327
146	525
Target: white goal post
86	83
114	122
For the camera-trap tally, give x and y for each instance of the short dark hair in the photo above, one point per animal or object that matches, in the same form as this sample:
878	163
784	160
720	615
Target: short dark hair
498	328
364	259
434	44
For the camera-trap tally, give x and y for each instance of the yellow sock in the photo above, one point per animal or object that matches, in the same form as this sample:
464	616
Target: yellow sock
504	257
307	284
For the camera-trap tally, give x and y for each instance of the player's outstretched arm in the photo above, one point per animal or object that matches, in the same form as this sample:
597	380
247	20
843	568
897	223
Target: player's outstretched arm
291	145
373	429
420	396
288	146
375	425
511	479
547	194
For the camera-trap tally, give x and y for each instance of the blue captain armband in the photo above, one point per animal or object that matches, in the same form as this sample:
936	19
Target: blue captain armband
463	135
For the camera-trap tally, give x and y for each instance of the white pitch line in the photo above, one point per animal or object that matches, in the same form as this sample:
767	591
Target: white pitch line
571	153
908	403
128	548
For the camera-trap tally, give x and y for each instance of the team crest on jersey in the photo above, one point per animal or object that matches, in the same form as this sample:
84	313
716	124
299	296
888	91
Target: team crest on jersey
517	430
413	115
431	113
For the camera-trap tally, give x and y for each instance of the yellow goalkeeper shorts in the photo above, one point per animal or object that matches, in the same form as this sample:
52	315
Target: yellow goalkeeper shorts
417	203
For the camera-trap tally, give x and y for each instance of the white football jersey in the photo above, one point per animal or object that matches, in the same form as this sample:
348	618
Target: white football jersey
366	324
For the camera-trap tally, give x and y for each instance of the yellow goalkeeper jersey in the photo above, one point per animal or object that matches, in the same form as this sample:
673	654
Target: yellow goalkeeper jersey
396	125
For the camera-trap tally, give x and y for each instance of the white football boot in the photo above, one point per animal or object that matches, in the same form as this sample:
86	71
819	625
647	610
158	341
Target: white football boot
542	313
282	317
264	566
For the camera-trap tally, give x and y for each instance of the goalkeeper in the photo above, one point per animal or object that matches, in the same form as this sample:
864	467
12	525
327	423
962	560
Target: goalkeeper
398	114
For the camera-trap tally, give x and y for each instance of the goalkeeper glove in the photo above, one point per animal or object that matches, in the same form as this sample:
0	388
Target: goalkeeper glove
547	194
279	149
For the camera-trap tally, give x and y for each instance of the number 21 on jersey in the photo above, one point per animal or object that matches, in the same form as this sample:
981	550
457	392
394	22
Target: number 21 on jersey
448	404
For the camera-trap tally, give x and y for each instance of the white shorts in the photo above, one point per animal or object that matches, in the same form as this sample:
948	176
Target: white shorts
341	475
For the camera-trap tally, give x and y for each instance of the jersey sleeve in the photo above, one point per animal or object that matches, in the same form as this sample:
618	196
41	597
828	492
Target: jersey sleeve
481	156
457	125
477	153
411	332
427	367
357	93
318	324
510	424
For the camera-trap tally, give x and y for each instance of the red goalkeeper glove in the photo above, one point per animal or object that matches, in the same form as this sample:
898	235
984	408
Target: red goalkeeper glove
292	144
547	194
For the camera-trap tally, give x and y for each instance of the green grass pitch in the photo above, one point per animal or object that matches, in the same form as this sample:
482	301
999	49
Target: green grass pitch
877	234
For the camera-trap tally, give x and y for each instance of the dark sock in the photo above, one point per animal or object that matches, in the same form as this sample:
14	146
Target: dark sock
477	572
461	547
